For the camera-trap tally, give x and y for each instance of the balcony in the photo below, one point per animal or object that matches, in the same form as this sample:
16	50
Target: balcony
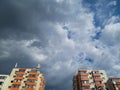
42	78
22	69
42	84
118	83
14	89
98	79
98	85
29	89
83	74
96	74
85	84
18	78
32	78
34	73
16	83
41	88
84	78
17	72
31	83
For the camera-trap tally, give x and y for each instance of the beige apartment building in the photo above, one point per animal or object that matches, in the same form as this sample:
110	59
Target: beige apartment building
4	79
26	79
90	80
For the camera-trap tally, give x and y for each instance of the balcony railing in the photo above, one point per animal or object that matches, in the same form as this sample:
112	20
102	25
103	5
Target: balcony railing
84	78
16	83
118	83
96	74
98	79
31	83
32	78
29	89
17	72
98	85
83	74
85	84
19	78
14	88
34	73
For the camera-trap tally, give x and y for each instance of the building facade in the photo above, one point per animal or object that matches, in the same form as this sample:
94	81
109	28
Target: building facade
113	84
90	80
26	79
4	79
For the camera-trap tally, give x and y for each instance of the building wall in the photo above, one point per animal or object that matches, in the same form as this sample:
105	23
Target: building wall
113	84
4	79
90	79
26	79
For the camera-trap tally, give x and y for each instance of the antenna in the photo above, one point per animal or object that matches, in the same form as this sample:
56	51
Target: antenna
38	66
16	65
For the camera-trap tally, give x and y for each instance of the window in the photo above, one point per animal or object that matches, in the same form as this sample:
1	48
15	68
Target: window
22	70
31	75
15	86
2	77
85	87
98	82
19	75
84	76
96	76
85	81
30	86
31	80
1	83
95	72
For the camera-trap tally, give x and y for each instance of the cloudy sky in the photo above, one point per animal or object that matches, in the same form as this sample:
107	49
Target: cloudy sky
60	35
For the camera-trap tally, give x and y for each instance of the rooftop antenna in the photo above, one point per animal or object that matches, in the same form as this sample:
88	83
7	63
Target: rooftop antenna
16	65
38	66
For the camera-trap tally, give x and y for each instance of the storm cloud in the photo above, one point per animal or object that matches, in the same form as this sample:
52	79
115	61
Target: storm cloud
60	35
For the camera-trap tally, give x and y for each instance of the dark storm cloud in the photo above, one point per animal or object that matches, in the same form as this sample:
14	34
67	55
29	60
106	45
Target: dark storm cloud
23	21
51	33
20	19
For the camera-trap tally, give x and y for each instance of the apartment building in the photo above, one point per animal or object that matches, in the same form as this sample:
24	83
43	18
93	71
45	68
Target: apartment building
90	80
26	79
3	81
113	84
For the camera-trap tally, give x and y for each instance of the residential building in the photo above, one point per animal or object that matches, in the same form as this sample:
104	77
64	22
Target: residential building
3	81
90	80
113	84
26	79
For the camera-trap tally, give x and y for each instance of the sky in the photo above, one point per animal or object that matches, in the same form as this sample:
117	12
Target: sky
62	36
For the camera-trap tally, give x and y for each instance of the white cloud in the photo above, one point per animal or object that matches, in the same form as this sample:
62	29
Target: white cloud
62	56
111	34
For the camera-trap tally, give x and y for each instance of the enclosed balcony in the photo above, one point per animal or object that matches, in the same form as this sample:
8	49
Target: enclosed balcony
85	78
42	84
98	79
21	73
99	85
16	83
18	78
42	78
29	89
31	83
34	73
85	84
32	78
96	74
14	88
41	88
118	83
